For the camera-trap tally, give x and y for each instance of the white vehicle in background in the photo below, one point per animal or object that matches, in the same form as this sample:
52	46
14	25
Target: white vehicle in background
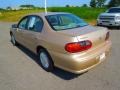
110	18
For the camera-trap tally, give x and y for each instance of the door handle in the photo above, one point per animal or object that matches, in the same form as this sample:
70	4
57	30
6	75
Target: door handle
18	29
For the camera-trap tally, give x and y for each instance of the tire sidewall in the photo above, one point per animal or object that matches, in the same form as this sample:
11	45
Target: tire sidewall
50	62
14	43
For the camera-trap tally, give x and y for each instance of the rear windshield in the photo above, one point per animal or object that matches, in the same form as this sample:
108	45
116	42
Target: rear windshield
114	10
65	21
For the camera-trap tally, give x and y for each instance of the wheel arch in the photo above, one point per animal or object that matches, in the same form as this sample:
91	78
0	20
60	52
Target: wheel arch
41	47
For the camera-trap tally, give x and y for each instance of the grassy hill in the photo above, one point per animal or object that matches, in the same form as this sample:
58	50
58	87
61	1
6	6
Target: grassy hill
13	16
89	14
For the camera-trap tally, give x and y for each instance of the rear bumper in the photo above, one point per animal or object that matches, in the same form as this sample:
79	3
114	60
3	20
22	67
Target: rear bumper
79	63
108	23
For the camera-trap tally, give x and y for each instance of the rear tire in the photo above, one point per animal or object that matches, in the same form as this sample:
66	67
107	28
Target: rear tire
45	60
118	27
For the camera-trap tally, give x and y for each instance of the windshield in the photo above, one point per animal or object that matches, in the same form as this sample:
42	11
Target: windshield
114	10
65	21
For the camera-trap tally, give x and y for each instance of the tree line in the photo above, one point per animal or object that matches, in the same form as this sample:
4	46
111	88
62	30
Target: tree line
102	3
93	4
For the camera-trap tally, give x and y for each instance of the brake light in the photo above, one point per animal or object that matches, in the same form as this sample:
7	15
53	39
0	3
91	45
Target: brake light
107	35
78	46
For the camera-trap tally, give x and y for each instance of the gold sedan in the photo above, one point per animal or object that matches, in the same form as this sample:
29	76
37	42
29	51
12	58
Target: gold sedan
62	40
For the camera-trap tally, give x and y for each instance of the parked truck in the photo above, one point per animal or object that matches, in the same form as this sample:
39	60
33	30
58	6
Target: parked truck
110	18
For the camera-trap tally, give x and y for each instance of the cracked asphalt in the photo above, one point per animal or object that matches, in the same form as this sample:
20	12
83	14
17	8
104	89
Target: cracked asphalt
20	71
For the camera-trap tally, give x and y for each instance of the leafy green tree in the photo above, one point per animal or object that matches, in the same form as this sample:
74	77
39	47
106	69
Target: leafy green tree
67	5
1	9
114	3
28	6
9	8
101	3
84	5
93	3
97	3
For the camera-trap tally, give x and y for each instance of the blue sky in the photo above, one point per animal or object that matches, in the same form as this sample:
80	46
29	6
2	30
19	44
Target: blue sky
15	3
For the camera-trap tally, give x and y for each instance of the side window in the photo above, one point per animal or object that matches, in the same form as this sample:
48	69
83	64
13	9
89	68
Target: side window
35	24
23	23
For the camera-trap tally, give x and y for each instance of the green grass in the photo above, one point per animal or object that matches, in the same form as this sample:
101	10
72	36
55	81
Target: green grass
89	14
13	16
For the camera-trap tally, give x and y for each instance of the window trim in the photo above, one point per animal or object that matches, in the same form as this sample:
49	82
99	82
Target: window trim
22	20
46	17
29	16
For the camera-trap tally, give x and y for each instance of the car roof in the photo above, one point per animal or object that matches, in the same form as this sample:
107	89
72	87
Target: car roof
49	13
115	7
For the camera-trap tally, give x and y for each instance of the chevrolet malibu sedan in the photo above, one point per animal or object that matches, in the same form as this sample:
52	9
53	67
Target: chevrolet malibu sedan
62	40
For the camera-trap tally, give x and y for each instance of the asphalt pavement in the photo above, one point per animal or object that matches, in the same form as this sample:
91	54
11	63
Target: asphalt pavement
20	71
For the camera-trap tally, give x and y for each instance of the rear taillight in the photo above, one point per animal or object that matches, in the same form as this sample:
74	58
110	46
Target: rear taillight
78	46
107	35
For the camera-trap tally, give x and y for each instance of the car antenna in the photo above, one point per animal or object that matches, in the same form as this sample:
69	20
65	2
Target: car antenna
45	6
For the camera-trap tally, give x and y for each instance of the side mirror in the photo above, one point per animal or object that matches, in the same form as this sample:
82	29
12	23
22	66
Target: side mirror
14	26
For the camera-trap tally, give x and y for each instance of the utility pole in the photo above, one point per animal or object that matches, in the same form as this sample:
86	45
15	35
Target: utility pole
45	6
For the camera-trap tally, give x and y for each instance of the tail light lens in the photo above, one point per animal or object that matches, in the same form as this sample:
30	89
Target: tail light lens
78	46
107	36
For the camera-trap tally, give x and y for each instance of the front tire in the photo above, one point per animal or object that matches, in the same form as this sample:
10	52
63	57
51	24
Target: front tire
45	60
13	40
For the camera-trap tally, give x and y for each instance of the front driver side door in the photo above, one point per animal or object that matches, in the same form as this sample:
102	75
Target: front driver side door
20	32
33	35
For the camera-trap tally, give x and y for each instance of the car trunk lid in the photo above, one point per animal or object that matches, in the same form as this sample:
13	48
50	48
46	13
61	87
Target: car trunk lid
96	35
